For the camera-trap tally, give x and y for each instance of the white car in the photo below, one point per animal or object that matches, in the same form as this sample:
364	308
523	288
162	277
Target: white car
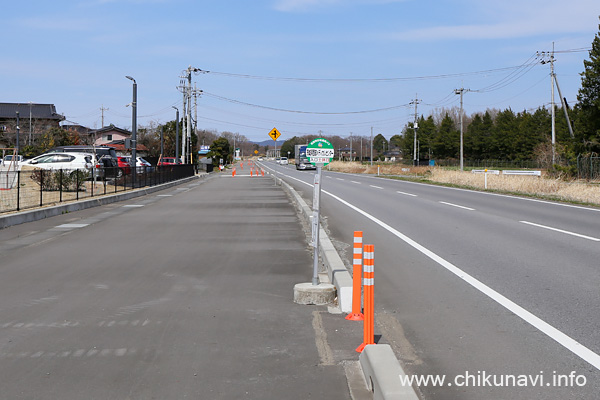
283	161
64	161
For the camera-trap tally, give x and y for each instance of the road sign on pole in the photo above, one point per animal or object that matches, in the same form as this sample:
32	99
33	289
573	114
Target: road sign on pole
319	152
274	134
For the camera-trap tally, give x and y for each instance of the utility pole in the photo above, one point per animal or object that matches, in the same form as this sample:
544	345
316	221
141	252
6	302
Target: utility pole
553	81
371	146
415	127
461	91
102	109
351	147
186	88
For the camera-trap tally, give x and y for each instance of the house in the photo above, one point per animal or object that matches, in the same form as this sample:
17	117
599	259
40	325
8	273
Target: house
122	150
34	119
347	154
109	134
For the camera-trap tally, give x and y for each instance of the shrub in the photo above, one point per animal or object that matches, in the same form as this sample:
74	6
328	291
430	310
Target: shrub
67	181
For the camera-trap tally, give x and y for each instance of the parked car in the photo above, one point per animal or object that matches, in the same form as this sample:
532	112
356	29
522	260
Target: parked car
9	157
124	166
143	165
106	155
64	161
283	161
168	161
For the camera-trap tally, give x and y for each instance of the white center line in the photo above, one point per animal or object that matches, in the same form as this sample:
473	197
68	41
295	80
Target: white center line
407	194
561	231
456	205
358	183
376	187
340	179
133	205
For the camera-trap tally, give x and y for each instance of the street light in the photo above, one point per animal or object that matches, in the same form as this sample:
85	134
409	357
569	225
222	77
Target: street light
176	134
133	130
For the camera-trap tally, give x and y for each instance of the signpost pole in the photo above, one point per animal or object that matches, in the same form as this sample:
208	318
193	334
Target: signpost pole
315	225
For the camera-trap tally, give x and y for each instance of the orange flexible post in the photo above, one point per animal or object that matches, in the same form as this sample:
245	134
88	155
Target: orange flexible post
357	255
369	280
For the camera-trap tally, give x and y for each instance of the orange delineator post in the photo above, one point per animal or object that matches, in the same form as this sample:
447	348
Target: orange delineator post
356	315
250	171
369	281
263	172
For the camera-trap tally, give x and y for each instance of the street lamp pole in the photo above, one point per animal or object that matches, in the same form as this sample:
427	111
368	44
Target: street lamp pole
176	134
133	130
18	129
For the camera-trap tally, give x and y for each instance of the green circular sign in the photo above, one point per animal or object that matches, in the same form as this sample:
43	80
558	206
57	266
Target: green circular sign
319	152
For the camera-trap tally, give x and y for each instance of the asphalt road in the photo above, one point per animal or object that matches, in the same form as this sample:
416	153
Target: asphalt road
184	293
475	287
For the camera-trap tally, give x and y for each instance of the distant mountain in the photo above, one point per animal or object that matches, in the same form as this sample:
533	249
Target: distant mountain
270	143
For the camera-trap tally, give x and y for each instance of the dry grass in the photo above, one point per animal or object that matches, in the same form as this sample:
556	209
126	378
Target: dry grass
528	185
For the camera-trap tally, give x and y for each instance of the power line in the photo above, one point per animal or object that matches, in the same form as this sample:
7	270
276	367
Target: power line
301	111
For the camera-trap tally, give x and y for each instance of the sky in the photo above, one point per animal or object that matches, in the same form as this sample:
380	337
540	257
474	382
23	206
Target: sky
305	67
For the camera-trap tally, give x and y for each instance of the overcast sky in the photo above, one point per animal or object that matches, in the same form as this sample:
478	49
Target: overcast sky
303	66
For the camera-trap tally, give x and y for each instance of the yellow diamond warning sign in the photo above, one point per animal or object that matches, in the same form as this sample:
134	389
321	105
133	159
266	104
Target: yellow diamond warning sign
274	134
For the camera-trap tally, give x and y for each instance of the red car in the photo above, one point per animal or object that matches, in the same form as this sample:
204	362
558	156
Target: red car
124	166
167	161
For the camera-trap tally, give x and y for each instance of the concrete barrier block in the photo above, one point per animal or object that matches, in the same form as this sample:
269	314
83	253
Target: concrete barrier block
382	373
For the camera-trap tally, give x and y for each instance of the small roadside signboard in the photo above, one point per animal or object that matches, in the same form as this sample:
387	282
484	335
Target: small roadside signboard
319	152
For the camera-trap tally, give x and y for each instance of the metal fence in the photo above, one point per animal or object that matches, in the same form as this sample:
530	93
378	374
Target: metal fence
30	188
588	168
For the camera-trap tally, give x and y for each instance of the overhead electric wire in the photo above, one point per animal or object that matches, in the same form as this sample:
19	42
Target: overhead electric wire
512	77
346	80
271	120
304	112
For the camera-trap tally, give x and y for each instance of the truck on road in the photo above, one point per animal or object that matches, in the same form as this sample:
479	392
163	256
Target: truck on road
301	159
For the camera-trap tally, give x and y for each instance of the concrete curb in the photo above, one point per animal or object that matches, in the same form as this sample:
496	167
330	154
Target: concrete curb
45	212
336	270
380	367
382	372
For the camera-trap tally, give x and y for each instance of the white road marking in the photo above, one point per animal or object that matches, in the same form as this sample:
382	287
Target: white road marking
376	187
164	195
407	194
457	206
133	206
566	341
358	183
340	179
72	226
561	231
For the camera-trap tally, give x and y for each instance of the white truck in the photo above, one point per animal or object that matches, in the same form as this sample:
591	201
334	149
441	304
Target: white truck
300	157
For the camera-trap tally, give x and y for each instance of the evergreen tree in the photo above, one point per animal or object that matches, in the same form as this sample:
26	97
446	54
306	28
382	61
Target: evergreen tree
587	119
446	143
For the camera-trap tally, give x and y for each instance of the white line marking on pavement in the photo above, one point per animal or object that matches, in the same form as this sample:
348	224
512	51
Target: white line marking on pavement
340	179
358	183
72	226
566	341
457	206
164	195
133	206
561	231
407	194
376	187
